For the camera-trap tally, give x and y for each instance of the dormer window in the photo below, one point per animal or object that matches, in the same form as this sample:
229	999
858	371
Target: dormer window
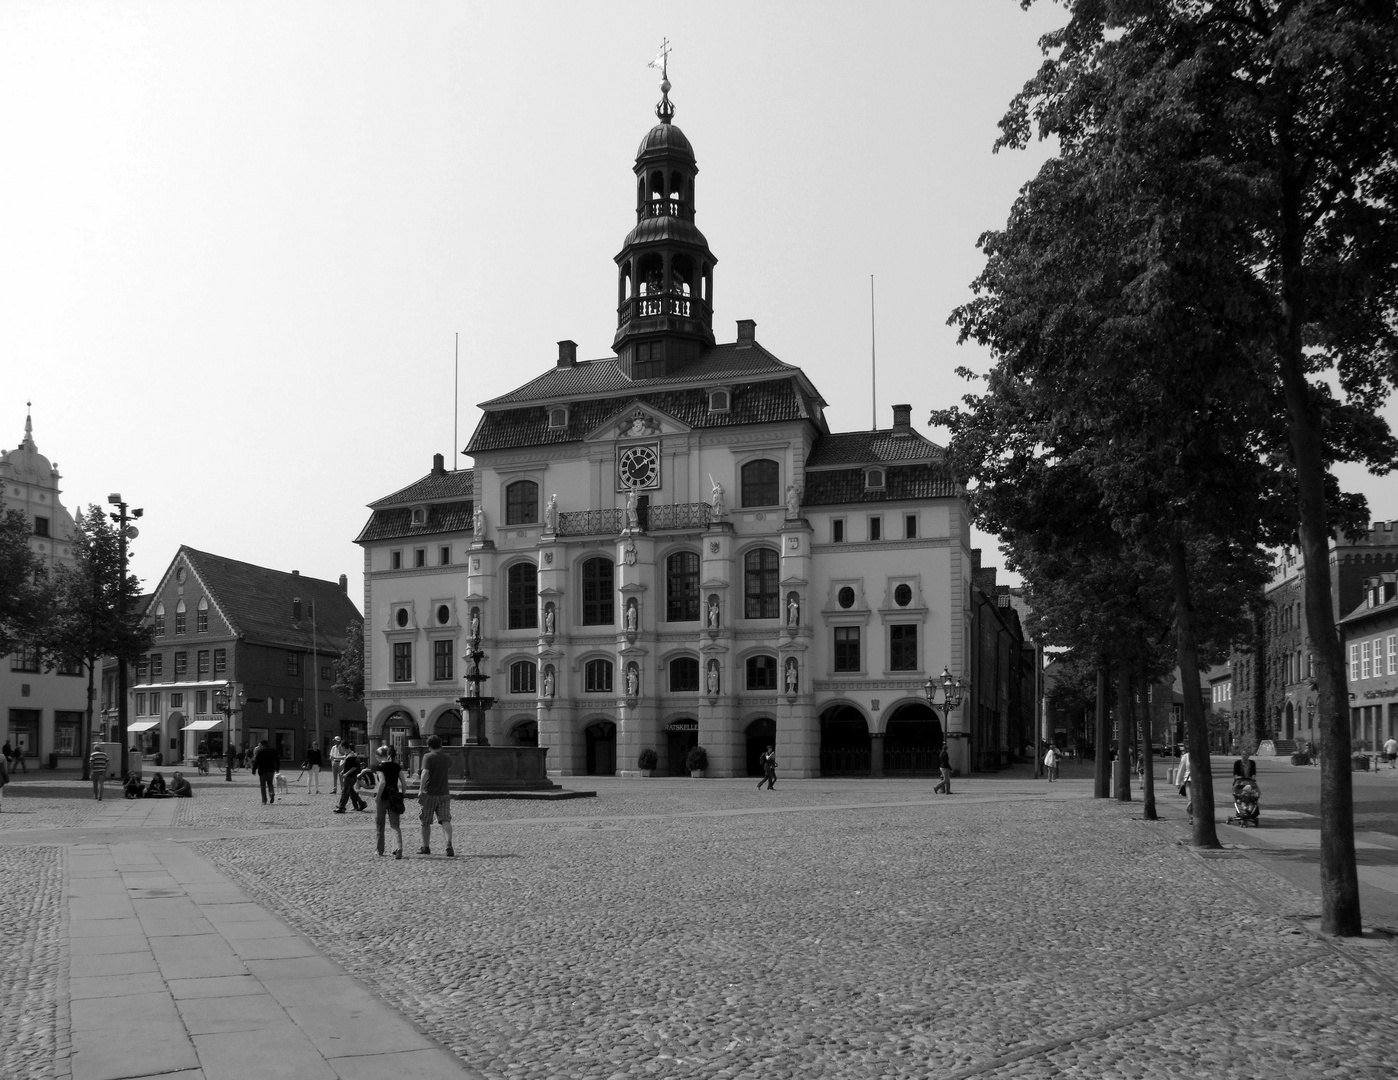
719	401
558	417
419	516
873	479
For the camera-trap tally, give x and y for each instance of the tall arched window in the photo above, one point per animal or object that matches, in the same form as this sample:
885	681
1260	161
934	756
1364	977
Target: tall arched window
523	598
201	616
760	596
682	587
684	675
597	677
761	481
762	673
523	677
598	607
159	620
522	503
180	617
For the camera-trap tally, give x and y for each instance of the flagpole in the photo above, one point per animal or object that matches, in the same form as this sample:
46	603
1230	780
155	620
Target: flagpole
456	406
873	362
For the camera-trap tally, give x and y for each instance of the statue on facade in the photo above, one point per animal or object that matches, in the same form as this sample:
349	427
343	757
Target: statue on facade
712	679
478	522
632	616
713	613
548	682
793	502
475	624
792	676
717	509
548	619
633	681
633	519
793	611
551	514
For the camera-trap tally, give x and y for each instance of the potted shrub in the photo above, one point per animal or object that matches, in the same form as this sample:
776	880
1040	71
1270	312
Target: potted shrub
697	761
646	761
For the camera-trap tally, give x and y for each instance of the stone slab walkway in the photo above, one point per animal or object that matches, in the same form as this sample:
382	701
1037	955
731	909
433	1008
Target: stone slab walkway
175	973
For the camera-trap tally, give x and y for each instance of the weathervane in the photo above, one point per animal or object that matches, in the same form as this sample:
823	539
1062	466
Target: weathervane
663	109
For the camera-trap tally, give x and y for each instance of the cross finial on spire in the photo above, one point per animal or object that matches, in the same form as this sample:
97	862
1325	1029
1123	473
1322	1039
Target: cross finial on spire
665	110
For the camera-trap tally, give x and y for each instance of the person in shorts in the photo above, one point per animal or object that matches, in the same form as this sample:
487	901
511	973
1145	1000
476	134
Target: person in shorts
1390	751
98	762
434	794
388	800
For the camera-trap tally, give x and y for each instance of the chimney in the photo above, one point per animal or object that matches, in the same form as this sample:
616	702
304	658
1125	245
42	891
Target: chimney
975	558
567	353
902	419
296	573
344	584
439	465
747	333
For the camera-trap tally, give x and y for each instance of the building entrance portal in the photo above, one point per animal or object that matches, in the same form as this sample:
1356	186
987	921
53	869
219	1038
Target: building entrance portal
912	742
448	728
681	736
762	733
601	748
844	742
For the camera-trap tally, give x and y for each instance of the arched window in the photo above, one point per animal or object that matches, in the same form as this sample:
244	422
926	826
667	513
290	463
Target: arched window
159	620
684	675
760	481
523	599
762	673
597	677
760	596
201	616
682	587
180	617
523	675
598	605
522	503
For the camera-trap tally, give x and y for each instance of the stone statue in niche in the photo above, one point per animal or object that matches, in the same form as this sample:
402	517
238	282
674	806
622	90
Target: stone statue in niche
713	613
792	676
548	682
712	679
551	514
633	519
793	502
717	509
548	619
475	624
478	523
793	611
633	681
632	616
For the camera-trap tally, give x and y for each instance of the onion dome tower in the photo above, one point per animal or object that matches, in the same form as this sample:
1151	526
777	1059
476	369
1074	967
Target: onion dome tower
665	269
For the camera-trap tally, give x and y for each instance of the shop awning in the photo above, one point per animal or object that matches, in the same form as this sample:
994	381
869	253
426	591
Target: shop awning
142	725
203	724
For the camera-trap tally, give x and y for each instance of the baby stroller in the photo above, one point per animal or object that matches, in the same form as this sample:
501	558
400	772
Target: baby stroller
1246	794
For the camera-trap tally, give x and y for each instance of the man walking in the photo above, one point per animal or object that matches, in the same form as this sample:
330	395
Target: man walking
944	767
768	761
313	760
434	794
1390	750
264	763
338	753
97	763
350	768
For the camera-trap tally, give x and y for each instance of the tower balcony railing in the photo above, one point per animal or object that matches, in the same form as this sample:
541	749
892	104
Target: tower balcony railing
653	208
650	519
663	305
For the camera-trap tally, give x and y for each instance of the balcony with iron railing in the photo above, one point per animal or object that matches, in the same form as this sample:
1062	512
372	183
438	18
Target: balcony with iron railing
660	518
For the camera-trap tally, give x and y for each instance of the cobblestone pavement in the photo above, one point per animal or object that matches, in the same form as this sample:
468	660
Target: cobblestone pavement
840	929
32	975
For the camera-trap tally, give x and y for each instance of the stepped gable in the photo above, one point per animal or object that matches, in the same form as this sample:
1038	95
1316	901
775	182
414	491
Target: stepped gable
257	602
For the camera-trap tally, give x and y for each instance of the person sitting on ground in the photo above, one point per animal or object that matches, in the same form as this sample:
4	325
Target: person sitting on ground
179	787
156	788
133	789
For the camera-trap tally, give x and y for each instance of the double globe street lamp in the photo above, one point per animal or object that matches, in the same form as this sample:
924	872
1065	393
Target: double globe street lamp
226	702
953	688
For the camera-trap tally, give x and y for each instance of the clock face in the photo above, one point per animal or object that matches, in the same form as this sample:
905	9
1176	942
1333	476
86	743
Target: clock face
638	466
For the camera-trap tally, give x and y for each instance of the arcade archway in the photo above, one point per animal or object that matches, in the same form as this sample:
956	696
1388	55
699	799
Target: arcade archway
761	733
844	742
601	748
912	741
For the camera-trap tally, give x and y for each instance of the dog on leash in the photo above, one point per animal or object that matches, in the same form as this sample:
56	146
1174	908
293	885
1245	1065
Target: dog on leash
281	784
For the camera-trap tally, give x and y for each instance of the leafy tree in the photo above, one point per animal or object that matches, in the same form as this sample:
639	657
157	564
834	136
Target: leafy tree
349	668
24	585
1279	120
89	621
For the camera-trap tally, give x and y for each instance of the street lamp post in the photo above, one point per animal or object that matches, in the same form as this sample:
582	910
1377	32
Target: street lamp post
226	703
953	689
124	532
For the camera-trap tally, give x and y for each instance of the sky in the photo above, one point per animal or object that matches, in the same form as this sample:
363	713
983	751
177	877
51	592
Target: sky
238	241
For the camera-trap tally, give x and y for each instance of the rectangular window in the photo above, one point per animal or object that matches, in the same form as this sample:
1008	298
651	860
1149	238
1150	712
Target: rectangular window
201	702
25	658
846	648
444	555
902	648
837	531
420	557
876	528
140	704
159	621
402	661
41	526
1378	657
1393	654
155	704
327	709
1364	661
180	622
176	700
142	668
70	667
682	587
395	560
326	673
442	652
67	731
220	661
293	664
910	527
598	605
157	665
201	663
523	677
761	597
201	621
684	675
1353	663
597	677
181	665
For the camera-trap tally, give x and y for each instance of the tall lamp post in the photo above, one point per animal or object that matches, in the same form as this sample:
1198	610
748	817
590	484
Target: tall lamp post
473	704
953	689
230	705
125	531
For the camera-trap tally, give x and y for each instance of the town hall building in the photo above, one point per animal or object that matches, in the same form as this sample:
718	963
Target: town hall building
669	547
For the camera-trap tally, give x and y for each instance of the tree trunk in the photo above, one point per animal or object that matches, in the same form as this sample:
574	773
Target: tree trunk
1201	784
1101	759
86	748
1147	756
1123	733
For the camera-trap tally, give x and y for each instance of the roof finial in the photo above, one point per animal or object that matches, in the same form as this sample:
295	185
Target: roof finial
28	421
664	109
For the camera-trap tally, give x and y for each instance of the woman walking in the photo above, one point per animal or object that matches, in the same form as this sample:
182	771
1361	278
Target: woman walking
388	800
